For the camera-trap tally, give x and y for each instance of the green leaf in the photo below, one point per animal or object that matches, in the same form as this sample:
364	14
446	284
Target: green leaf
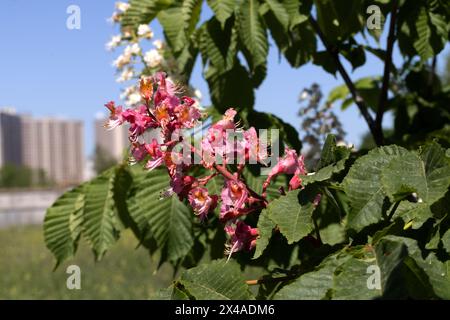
446	241
191	14
349	274
143	12
313	285
217	45
415	213
437	272
168	219
171	293
101	223
363	186
173	29
293	219
231	88
223	9
324	174
339	19
265	226
252	33
427	173
280	12
326	61
217	280
62	224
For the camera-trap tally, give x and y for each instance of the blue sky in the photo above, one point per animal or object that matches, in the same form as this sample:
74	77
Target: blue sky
47	69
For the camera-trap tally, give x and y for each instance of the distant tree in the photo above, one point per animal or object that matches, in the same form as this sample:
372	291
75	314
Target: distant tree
14	176
18	176
103	159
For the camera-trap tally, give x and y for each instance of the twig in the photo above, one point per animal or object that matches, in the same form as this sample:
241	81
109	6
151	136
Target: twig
387	70
394	208
268	280
333	51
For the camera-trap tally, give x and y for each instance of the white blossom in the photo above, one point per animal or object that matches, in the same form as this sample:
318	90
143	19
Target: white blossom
152	58
145	31
132	49
126	75
122	6
158	44
127	91
122	60
133	99
114	42
198	94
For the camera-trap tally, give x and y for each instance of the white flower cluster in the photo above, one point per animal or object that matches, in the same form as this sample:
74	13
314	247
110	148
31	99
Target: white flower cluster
134	61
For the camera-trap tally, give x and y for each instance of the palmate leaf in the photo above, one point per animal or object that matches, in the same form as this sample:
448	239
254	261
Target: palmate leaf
364	188
222	9
346	275
293	218
62	224
143	11
437	273
173	29
280	12
265	227
231	88
252	32
101	224
217	280
217	45
427	173
191	14
168	220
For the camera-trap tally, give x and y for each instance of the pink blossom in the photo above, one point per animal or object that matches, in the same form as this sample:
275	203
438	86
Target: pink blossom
202	202
181	185
242	237
254	149
234	196
227	121
139	121
116	117
138	152
289	164
186	115
157	156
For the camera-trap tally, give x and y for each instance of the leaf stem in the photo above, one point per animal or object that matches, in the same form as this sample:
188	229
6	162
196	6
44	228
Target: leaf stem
269	280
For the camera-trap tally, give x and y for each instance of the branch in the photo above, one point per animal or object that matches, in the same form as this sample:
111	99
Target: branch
387	67
333	51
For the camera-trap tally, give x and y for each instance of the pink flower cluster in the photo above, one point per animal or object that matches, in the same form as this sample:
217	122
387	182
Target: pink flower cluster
162	108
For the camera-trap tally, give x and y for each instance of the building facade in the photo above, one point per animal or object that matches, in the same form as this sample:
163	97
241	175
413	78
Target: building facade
10	138
55	146
113	142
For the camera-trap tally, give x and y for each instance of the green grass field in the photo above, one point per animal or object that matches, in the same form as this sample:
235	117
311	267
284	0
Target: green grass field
26	270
